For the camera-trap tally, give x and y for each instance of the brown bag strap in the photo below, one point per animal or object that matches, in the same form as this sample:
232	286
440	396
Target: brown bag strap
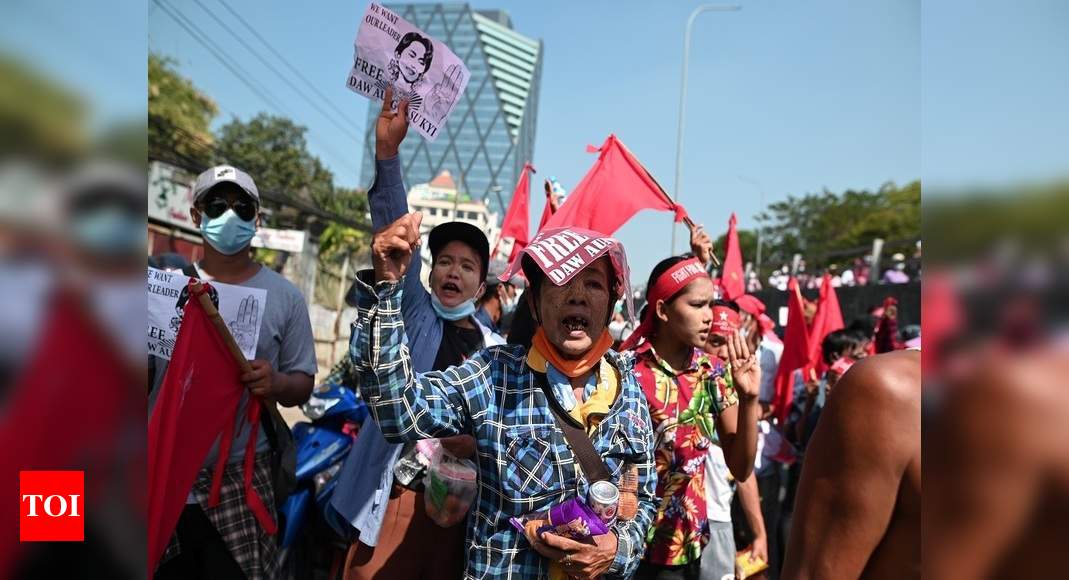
593	465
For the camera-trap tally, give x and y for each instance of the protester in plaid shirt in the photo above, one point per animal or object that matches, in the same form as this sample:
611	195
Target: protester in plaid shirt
525	464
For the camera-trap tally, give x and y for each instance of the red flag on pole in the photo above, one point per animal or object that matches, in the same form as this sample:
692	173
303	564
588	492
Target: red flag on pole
828	319
198	400
616	188
795	351
731	278
517	218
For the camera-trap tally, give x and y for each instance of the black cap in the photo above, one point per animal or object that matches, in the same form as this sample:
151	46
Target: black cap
463	232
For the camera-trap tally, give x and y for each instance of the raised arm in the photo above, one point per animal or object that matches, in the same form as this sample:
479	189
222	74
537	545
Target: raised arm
388	198
868	435
406	406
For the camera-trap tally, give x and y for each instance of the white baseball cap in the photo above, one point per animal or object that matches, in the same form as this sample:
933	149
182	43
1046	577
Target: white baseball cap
224	173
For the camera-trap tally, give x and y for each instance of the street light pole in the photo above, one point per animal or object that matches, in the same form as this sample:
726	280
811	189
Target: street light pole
683	95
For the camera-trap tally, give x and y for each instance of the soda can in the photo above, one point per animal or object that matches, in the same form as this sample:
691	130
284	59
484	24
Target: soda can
604	499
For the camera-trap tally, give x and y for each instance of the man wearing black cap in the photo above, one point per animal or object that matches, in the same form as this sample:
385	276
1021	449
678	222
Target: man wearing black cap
380	495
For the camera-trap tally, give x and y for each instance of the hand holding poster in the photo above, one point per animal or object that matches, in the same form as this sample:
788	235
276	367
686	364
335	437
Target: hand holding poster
241	307
390	51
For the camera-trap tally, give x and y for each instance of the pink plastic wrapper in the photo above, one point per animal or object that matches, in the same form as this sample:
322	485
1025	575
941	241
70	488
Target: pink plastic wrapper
572	519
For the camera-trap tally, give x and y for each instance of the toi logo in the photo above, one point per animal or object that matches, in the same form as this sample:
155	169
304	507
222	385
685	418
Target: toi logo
52	506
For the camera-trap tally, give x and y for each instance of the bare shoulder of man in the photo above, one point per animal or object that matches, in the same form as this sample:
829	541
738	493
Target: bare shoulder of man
858	507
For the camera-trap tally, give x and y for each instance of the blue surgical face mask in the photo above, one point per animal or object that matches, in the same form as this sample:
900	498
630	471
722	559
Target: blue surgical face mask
227	233
111	231
462	310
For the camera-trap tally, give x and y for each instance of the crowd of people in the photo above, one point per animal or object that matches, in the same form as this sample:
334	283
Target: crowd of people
902	270
539	380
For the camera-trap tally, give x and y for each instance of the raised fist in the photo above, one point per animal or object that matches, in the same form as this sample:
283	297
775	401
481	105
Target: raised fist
393	246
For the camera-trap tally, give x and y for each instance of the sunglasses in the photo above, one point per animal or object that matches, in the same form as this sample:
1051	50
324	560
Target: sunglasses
215	206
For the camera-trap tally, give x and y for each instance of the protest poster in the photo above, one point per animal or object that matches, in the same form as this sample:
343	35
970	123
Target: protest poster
241	307
390	51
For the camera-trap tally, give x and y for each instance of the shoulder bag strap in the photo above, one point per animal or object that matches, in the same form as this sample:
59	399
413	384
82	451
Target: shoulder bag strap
593	465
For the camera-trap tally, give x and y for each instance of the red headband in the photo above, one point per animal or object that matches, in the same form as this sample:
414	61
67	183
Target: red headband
841	365
668	285
725	320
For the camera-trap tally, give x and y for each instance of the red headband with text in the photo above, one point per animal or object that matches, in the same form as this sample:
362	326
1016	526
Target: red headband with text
725	320
667	285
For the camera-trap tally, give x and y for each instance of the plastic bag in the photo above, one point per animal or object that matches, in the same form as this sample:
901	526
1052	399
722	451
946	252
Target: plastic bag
449	485
572	519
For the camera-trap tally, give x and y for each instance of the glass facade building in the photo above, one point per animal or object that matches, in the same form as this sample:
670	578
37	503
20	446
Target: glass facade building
491	132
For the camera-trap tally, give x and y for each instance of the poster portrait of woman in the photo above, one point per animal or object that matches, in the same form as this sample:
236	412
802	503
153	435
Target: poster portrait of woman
411	60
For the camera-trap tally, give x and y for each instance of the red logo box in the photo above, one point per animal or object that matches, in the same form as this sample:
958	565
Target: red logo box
51	506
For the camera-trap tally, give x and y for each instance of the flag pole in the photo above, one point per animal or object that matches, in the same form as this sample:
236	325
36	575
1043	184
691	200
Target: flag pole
220	326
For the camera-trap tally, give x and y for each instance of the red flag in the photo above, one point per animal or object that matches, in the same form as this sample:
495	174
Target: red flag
67	409
941	317
616	188
828	319
517	218
731	279
199	396
795	351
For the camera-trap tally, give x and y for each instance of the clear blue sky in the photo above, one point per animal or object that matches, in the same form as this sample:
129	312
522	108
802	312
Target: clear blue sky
796	95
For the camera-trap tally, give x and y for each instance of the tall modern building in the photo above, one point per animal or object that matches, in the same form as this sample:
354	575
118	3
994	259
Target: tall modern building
491	132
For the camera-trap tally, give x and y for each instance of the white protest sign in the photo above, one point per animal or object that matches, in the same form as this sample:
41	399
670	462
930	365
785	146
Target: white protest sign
390	51
240	306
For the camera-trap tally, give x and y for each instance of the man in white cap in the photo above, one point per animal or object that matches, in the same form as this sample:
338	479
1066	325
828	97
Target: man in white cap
226	541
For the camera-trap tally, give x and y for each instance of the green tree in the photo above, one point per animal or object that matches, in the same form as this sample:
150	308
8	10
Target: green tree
831	228
179	114
339	239
274	151
38	116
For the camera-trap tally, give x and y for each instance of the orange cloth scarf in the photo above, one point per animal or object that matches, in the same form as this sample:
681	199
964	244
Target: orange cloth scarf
571	367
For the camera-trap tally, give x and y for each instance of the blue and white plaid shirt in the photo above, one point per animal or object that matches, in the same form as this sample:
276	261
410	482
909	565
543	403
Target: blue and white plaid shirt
525	464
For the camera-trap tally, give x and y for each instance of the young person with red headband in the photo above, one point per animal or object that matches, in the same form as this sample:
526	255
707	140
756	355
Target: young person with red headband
693	400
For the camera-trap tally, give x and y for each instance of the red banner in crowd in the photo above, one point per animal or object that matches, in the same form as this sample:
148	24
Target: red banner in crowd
71	415
795	351
828	319
731	277
516	224
616	188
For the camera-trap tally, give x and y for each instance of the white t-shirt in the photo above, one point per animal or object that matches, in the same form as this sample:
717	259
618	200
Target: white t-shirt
718	490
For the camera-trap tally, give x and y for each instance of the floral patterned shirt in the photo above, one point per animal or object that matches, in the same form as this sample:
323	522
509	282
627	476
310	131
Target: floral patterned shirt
684	405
